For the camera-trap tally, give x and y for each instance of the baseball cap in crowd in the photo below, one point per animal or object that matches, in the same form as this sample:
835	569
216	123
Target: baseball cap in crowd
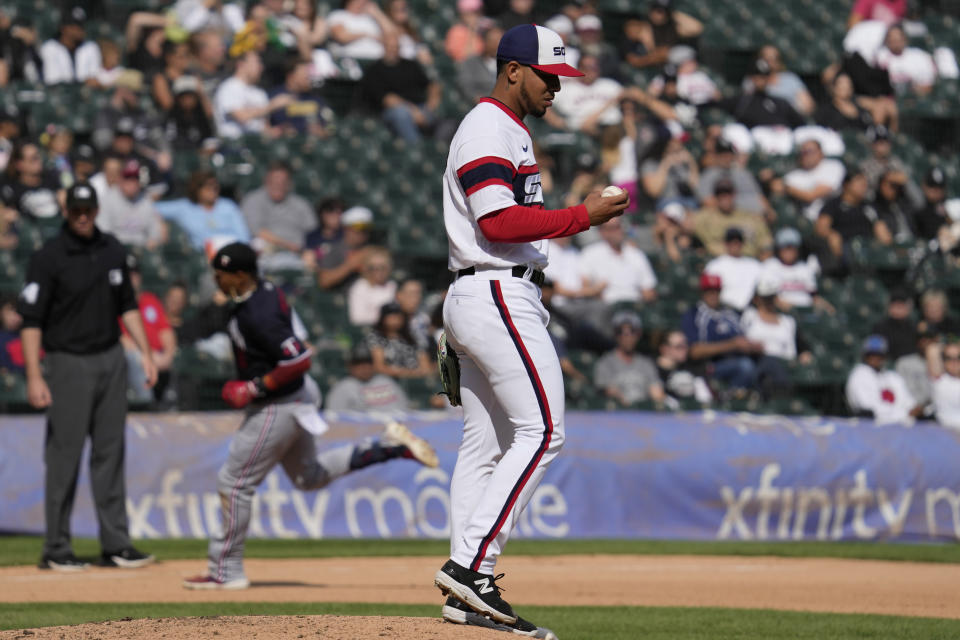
131	169
788	237
9	113
733	233
669	72
236	257
621	318
589	22
561	24
724	185
675	211
722	145
357	217
875	344
537	47
900	294
936	178
360	353
661	4
186	84
467	6
877	132
73	16
769	285
680	54
81	196
124	127
710	282
84	153
760	67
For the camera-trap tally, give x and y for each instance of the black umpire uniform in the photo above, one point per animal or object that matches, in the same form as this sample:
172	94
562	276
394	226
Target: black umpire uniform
77	286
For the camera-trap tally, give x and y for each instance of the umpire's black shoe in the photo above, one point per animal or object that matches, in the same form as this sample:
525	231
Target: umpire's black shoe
479	591
66	563
458	613
128	558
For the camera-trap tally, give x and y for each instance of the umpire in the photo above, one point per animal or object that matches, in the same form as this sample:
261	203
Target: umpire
77	286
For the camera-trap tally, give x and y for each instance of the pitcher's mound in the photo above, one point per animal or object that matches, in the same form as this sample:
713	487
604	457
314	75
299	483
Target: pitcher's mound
264	628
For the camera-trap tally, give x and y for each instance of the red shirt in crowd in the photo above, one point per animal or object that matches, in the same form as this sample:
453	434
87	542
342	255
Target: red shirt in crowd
154	319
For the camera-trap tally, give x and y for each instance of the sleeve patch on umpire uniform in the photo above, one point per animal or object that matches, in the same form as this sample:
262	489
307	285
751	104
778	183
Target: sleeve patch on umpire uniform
116	277
30	293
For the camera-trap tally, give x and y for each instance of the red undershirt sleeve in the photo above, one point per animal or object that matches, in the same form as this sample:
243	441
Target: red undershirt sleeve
287	371
526	224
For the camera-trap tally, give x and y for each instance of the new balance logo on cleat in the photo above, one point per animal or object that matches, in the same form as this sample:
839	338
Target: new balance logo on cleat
484	585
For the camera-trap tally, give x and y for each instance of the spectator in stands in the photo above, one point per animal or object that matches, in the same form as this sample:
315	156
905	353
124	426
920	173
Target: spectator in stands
373	289
738	273
203	214
175	301
208	53
11	349
661	29
145	47
240	106
911	69
465	39
36	194
19	57
759	108
847	216
589	103
358	30
307	113
58	141
782	83
83	159
68	58
9	233
716	338
673	230
129	214
887	11
401	91
913	368
201	15
623	374
883	161
477	74
729	165
328	231
711	224
876	392
110	173
278	219
176	56
563	25
693	85
345	258
591	41
842	111
394	351
932	215
815	179
126	144
796	279
671	175
364	389
410	298
187	125
160	337
892	207
935	317
943	365
898	327
777	332
517	12
624	268
569	328
411	44
673	365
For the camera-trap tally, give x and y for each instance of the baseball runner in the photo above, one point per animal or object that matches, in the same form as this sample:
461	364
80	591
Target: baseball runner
281	416
511	386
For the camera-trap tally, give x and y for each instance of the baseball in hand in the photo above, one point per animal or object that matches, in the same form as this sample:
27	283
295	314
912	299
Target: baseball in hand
611	192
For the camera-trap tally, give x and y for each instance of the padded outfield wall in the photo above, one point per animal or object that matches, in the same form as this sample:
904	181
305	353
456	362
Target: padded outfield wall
695	476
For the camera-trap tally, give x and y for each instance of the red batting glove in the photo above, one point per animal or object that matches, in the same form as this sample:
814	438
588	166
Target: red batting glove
238	393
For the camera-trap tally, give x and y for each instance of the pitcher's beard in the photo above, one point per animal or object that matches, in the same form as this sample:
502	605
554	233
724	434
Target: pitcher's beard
532	108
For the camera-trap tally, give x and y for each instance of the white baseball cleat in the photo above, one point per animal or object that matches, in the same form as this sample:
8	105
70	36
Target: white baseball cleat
209	583
421	450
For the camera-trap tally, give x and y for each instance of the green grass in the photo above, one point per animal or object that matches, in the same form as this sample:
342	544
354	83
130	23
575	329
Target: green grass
570	623
18	550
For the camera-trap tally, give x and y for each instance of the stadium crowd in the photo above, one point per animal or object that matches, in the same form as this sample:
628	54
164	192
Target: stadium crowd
756	258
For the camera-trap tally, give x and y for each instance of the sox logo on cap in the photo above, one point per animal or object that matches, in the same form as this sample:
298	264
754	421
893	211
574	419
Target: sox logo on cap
536	47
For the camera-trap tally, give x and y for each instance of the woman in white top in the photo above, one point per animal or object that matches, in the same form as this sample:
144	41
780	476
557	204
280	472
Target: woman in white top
357	30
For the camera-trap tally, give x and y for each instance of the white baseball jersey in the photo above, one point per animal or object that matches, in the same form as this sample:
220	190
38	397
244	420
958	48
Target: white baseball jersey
491	166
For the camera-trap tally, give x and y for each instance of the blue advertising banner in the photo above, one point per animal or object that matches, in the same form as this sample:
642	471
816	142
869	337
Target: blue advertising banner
695	476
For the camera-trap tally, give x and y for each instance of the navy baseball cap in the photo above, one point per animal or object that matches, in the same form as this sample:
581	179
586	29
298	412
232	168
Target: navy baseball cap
236	257
537	47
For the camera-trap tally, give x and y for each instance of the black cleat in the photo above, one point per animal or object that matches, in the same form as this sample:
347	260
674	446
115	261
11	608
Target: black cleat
458	613
479	591
66	563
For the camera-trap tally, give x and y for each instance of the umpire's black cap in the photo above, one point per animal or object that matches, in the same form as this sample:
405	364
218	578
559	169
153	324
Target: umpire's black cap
236	257
81	196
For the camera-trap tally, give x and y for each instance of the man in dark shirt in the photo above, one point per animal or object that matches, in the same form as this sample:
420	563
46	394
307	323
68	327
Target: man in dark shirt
281	418
78	283
898	326
758	108
401	90
933	214
308	113
847	216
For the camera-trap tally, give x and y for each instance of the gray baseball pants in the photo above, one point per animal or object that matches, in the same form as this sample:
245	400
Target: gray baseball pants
89	395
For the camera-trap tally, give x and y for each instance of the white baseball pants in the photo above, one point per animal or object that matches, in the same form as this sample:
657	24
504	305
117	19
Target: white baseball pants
513	401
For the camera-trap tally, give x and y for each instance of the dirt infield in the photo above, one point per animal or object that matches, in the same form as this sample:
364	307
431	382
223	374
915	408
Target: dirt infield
803	584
